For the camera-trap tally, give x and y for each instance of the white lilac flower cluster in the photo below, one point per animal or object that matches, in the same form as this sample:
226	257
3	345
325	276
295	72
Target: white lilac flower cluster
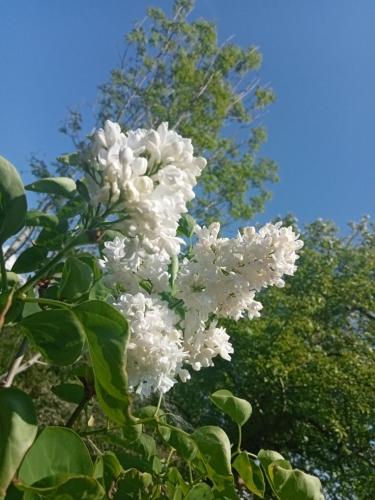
148	176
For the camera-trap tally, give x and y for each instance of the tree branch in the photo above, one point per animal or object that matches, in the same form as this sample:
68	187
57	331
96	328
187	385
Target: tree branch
16	363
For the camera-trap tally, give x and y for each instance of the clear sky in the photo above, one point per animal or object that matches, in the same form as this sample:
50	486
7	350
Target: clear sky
319	56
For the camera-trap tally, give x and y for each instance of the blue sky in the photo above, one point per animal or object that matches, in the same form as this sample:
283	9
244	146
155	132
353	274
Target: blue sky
318	56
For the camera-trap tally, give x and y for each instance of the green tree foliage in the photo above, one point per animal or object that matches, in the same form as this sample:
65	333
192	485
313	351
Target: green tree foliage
176	70
308	364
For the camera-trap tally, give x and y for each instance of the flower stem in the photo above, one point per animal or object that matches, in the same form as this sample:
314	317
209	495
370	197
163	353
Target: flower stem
239	438
47	302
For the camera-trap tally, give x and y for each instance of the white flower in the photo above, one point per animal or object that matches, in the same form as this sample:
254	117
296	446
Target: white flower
155	353
128	263
149	175
224	274
206	345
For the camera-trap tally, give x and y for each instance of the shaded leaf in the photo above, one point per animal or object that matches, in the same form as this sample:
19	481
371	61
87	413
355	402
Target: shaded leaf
37	218
18	428
72	393
30	259
108	468
56	333
134	485
64	487
76	279
200	491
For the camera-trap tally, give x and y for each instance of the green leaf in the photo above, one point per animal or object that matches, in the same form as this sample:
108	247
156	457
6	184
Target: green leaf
292	483
54	237
57	334
107	335
266	457
57	450
200	491
134	485
64	487
92	262
214	447
72	393
13	204
18	428
108	468
175	479
37	218
146	445
99	291
183	444
132	431
239	410
62	186
76	279
186	226
83	191
30	259
80	487
250	473
69	159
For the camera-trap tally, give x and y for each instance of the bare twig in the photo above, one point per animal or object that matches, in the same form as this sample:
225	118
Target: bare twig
25	366
16	363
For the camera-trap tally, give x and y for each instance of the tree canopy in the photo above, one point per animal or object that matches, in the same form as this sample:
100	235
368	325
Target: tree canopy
308	364
177	70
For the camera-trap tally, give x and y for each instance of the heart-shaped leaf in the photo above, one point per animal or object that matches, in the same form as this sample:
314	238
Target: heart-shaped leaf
18	429
239	410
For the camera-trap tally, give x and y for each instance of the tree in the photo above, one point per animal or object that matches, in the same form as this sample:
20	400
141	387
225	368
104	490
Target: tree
175	70
308	364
